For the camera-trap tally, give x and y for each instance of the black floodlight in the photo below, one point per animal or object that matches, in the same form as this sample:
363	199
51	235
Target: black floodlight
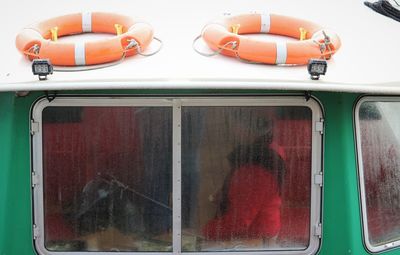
42	67
317	67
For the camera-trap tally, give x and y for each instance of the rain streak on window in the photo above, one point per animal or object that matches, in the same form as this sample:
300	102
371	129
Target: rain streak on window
246	175
107	178
380	149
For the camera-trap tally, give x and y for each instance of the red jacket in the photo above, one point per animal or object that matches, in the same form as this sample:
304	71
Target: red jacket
253	207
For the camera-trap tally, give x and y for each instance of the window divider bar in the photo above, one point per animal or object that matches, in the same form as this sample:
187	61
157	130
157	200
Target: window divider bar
176	176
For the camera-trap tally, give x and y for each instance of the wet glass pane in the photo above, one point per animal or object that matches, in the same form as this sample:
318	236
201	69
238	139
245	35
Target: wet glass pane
246	175
380	147
107	178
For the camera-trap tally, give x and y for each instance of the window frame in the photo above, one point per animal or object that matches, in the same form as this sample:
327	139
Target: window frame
176	103
361	182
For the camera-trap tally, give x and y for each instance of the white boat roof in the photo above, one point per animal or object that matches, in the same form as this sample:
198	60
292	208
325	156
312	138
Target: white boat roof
368	60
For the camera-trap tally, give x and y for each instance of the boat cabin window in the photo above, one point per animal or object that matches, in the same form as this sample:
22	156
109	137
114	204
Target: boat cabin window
378	140
107	178
177	175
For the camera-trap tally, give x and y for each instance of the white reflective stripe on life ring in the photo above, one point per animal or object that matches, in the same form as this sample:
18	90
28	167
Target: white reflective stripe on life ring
265	23
86	22
80	59
281	53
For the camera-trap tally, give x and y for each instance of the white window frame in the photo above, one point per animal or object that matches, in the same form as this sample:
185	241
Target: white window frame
389	245
176	103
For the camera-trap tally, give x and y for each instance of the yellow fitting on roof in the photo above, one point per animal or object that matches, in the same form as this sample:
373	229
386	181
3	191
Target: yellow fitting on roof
54	34
118	29
235	28
303	34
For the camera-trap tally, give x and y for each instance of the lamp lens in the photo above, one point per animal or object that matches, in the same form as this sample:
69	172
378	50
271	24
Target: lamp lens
41	69
317	68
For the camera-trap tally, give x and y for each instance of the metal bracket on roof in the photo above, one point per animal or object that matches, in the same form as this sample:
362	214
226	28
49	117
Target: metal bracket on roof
50	97
307	95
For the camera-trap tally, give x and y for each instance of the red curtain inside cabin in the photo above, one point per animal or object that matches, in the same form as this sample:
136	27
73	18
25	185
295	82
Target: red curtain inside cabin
294	136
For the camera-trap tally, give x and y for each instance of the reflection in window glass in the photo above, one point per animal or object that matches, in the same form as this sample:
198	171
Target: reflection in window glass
380	147
107	178
246	175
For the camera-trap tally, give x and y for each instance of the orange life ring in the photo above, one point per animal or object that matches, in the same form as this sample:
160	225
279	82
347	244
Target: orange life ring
35	41
316	42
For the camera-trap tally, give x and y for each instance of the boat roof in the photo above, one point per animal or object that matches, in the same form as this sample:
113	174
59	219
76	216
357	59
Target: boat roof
368	60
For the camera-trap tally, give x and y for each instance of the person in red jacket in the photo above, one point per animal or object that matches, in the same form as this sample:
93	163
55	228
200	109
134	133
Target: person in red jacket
251	196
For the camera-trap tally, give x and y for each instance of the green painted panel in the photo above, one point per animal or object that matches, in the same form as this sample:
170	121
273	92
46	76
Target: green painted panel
6	101
342	230
15	235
